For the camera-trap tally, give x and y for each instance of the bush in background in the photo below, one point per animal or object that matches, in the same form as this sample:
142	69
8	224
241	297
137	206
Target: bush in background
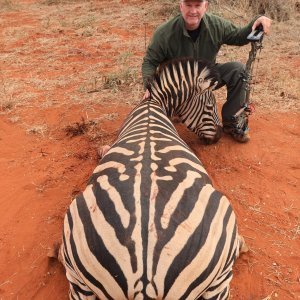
275	9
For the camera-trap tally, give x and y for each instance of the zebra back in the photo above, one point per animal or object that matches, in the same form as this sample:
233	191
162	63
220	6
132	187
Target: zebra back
149	225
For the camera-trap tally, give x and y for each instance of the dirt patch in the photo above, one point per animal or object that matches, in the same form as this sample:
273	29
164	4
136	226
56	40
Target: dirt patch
70	73
261	181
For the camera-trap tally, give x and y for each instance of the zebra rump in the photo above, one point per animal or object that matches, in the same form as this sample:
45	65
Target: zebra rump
149	224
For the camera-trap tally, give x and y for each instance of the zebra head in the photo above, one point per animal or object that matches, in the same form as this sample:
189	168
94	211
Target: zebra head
185	87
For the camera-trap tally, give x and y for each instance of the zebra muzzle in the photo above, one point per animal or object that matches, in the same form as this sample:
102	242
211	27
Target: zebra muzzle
212	139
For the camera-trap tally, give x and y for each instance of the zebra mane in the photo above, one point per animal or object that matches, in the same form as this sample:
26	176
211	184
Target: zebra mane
206	69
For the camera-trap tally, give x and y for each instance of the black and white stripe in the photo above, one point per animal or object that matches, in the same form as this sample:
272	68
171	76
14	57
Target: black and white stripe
149	224
185	86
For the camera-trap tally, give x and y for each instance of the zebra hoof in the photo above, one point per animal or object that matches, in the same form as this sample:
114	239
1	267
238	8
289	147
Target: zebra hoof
242	245
103	150
53	252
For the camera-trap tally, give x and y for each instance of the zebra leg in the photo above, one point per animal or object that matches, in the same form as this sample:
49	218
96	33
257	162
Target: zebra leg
53	252
223	294
222	283
243	248
78	289
219	289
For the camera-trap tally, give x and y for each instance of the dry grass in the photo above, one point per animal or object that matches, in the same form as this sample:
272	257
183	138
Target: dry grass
126	77
6	5
92	130
275	9
37	129
79	128
95	53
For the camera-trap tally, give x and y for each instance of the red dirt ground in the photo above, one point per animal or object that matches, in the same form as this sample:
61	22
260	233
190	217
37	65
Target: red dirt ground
40	174
39	177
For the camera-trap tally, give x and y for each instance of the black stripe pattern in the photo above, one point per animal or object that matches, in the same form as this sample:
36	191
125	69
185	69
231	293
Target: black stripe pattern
149	224
184	88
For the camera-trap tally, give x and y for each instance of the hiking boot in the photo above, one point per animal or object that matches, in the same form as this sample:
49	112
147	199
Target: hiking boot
240	135
237	127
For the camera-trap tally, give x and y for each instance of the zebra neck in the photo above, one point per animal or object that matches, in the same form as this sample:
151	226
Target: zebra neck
167	104
148	112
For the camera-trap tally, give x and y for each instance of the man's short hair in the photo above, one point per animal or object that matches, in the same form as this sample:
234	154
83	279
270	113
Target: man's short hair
193	0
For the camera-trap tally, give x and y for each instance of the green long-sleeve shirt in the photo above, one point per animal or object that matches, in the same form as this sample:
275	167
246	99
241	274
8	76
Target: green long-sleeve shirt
171	40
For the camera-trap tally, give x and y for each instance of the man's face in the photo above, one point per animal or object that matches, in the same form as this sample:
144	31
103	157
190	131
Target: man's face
192	12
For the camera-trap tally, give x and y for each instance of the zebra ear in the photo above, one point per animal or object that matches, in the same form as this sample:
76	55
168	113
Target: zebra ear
205	84
148	83
214	85
206	79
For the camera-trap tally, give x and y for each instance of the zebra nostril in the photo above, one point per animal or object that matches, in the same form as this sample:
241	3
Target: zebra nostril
208	140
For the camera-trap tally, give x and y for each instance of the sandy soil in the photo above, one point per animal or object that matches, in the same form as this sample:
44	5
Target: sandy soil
57	82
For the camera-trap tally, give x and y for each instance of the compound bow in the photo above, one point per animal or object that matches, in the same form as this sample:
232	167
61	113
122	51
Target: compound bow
241	117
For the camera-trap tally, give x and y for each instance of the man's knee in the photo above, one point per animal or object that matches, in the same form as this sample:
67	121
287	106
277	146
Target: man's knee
231	73
236	72
237	66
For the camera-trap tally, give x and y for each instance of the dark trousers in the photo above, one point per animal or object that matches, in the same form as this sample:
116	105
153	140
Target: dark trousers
232	74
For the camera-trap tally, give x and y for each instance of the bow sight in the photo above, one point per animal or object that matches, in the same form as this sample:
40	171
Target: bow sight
241	117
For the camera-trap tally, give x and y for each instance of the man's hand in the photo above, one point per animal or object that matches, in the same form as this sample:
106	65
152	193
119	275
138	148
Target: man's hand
146	95
265	22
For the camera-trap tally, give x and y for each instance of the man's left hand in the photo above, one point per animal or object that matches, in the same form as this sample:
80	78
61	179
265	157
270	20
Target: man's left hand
265	22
